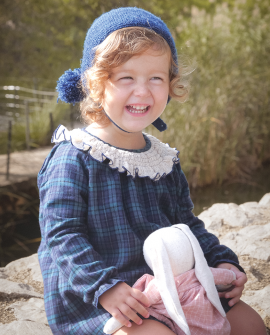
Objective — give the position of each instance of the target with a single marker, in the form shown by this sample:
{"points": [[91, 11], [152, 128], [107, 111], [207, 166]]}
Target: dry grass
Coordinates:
{"points": [[223, 131]]}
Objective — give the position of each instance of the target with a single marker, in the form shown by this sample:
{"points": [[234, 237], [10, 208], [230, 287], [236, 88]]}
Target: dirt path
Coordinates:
{"points": [[23, 165]]}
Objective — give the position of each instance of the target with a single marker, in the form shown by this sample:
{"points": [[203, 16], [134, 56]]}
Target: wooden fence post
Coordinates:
{"points": [[51, 123], [8, 147], [27, 131]]}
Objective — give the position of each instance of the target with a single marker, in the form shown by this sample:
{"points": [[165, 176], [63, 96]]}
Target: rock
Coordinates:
{"points": [[250, 213], [11, 289], [251, 240], [265, 200], [31, 310], [2, 274], [24, 328], [256, 212], [224, 214], [25, 270], [21, 298], [246, 230], [30, 263]]}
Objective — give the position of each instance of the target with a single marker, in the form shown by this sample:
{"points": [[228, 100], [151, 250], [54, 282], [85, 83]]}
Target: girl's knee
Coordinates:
{"points": [[245, 320]]}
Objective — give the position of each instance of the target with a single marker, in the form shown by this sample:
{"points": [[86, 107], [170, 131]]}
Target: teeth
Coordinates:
{"points": [[138, 109]]}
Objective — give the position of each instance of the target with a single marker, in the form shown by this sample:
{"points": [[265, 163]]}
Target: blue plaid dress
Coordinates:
{"points": [[94, 220]]}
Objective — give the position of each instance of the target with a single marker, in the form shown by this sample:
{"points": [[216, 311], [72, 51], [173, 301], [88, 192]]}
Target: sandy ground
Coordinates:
{"points": [[23, 165]]}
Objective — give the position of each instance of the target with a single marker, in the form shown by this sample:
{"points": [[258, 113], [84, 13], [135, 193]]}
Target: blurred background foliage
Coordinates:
{"points": [[41, 39], [222, 130]]}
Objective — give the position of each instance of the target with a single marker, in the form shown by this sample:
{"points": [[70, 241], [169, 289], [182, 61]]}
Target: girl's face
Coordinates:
{"points": [[137, 92]]}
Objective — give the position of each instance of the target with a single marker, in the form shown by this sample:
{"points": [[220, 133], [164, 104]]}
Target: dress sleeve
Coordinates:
{"points": [[214, 252], [63, 186]]}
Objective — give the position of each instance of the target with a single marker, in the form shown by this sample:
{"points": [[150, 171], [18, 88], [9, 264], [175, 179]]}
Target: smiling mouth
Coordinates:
{"points": [[137, 109]]}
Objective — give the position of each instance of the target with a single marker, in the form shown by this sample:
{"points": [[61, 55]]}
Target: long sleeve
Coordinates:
{"points": [[63, 183], [214, 252]]}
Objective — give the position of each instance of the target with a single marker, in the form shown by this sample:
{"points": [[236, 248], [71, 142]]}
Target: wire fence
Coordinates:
{"points": [[17, 102]]}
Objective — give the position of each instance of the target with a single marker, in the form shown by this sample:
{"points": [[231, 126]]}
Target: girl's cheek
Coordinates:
{"points": [[162, 90]]}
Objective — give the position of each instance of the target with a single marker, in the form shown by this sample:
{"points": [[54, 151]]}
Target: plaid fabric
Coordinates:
{"points": [[202, 317], [94, 221]]}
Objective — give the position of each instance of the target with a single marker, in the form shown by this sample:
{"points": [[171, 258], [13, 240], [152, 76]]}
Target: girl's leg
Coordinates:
{"points": [[245, 320], [149, 327]]}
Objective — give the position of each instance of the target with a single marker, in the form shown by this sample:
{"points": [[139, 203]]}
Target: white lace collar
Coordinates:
{"points": [[155, 163]]}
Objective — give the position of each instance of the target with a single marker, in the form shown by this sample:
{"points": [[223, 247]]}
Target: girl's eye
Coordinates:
{"points": [[126, 78], [156, 78]]}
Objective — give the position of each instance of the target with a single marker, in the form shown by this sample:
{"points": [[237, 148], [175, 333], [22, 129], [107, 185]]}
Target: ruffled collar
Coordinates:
{"points": [[156, 162]]}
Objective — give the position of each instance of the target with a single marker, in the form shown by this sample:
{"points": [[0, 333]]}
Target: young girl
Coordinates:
{"points": [[105, 188]]}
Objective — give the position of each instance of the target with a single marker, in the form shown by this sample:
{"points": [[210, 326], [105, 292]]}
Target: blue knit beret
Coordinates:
{"points": [[67, 85]]}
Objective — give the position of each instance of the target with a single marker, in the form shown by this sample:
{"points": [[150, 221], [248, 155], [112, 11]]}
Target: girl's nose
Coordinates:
{"points": [[142, 90]]}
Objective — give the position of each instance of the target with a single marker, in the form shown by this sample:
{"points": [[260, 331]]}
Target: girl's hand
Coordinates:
{"points": [[122, 300], [239, 283]]}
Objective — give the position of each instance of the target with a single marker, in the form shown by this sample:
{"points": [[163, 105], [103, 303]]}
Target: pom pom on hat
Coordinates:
{"points": [[67, 86]]}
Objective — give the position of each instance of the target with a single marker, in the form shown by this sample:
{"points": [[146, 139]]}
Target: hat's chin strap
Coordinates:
{"points": [[129, 132], [158, 123]]}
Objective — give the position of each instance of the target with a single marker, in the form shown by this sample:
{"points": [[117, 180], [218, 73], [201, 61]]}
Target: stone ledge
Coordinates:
{"points": [[25, 328]]}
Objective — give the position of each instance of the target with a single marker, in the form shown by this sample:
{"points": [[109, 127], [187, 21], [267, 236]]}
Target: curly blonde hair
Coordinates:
{"points": [[114, 51]]}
